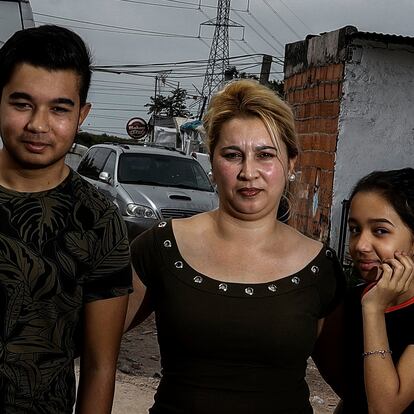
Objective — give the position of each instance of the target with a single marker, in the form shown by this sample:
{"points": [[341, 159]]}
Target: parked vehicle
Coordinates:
{"points": [[75, 154], [204, 160], [148, 183]]}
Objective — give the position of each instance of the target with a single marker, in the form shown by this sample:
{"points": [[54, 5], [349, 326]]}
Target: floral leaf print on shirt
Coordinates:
{"points": [[37, 218]]}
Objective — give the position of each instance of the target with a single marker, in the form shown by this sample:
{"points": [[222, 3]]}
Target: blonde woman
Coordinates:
{"points": [[239, 296]]}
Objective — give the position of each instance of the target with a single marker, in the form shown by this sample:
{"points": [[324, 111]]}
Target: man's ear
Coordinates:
{"points": [[83, 113]]}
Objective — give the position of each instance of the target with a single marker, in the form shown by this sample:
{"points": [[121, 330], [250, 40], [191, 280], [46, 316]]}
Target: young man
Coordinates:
{"points": [[64, 254]]}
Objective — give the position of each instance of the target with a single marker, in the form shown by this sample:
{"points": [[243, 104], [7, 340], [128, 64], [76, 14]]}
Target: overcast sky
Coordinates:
{"points": [[148, 32]]}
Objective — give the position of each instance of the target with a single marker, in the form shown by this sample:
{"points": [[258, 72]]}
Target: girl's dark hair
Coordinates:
{"points": [[396, 186], [49, 47]]}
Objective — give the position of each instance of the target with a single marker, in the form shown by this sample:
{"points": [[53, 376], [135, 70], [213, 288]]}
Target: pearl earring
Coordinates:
{"points": [[292, 177]]}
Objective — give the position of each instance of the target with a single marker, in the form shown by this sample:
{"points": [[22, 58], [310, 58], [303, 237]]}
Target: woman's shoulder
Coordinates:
{"points": [[303, 246], [191, 227]]}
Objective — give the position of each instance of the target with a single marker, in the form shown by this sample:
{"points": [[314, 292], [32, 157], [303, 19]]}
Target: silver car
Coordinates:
{"points": [[148, 183]]}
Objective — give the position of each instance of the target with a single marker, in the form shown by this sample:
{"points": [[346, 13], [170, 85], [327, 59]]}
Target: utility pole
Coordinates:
{"points": [[265, 71], [155, 110], [219, 52]]}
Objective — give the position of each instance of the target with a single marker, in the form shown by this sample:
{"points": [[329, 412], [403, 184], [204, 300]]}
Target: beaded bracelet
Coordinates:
{"points": [[381, 352]]}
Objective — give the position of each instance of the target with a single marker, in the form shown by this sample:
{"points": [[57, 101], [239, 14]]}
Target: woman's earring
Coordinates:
{"points": [[292, 177]]}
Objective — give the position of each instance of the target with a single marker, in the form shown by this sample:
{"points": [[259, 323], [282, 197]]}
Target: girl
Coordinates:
{"points": [[380, 312]]}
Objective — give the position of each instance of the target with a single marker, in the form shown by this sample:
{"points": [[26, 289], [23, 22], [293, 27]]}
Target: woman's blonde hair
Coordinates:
{"points": [[248, 98]]}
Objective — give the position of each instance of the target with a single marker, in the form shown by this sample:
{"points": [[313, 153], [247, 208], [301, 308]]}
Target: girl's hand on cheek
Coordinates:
{"points": [[395, 279]]}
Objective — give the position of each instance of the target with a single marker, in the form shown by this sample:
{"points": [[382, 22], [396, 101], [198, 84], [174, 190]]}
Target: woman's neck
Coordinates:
{"points": [[229, 227]]}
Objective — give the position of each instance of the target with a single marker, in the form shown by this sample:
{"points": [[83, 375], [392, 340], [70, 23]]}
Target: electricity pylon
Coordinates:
{"points": [[218, 60]]}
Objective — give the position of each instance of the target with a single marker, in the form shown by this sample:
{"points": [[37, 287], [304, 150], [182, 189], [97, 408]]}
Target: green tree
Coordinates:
{"points": [[274, 84], [88, 139], [171, 105], [278, 86], [233, 73]]}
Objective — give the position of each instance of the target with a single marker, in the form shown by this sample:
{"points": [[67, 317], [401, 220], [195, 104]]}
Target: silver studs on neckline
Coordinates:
{"points": [[272, 287], [295, 280], [315, 270], [249, 291], [329, 253], [223, 287], [162, 224], [167, 243], [198, 279], [179, 264]]}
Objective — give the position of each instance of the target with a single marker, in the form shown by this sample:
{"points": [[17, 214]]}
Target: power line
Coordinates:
{"points": [[106, 117], [175, 63], [125, 29], [118, 104], [117, 94], [120, 109], [238, 45], [159, 5], [266, 30], [254, 30], [177, 7], [180, 71], [307, 27], [281, 18]]}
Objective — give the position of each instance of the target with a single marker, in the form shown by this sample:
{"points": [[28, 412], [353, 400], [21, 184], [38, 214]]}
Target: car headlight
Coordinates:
{"points": [[137, 210]]}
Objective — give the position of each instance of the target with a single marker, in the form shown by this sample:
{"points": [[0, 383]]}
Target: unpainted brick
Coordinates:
{"points": [[319, 159]]}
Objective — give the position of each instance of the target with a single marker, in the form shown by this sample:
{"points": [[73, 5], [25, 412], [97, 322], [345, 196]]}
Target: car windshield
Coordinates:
{"points": [[162, 170]]}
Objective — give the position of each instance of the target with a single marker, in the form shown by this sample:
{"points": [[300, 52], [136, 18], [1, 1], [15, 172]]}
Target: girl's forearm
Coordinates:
{"points": [[381, 377]]}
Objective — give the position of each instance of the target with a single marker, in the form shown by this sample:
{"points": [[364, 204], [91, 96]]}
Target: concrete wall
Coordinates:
{"points": [[376, 123]]}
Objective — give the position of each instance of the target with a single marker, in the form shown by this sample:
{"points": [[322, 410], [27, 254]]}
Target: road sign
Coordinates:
{"points": [[137, 128]]}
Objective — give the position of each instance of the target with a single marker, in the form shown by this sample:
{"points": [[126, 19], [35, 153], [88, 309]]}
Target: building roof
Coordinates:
{"points": [[383, 37], [334, 47]]}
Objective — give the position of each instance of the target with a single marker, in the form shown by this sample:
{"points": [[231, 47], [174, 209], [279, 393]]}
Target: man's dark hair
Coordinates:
{"points": [[49, 47], [397, 188]]}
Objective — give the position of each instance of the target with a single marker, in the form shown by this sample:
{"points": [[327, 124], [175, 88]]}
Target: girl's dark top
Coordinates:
{"points": [[399, 322], [233, 347]]}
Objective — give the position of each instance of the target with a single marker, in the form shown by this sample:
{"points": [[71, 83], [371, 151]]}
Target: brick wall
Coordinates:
{"points": [[315, 96]]}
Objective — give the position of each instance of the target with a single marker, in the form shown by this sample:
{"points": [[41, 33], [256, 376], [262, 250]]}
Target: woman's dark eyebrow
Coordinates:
{"points": [[231, 147], [265, 147], [258, 148]]}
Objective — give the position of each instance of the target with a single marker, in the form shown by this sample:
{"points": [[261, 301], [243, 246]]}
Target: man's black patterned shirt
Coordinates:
{"points": [[59, 249]]}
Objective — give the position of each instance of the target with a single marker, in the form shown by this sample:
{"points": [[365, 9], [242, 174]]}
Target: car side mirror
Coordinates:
{"points": [[105, 177], [210, 177]]}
